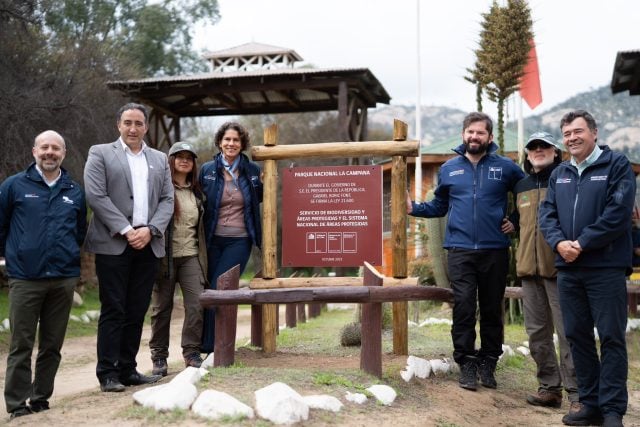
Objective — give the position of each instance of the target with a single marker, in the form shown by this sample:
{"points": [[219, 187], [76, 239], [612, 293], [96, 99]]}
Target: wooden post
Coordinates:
{"points": [[226, 319], [302, 316], [399, 239], [371, 344], [270, 238], [314, 310], [291, 315], [256, 325]]}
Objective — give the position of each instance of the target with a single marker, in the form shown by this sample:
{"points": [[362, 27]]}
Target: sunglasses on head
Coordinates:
{"points": [[538, 144]]}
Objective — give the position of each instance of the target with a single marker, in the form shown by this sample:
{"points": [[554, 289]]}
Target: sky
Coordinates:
{"points": [[576, 41]]}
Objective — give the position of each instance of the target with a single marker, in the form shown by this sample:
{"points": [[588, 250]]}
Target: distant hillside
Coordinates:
{"points": [[618, 118]]}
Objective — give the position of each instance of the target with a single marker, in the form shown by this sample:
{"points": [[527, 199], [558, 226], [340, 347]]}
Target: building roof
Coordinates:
{"points": [[626, 72], [284, 90], [251, 49]]}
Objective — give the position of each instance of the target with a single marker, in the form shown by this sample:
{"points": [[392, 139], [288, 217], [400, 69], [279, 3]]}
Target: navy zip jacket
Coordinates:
{"points": [[475, 200], [41, 228], [594, 209], [212, 183]]}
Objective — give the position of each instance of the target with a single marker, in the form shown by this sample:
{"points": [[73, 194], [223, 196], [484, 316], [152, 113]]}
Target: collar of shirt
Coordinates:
{"points": [[591, 158], [127, 150], [44, 178]]}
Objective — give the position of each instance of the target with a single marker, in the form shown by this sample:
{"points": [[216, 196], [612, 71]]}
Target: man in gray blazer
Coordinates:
{"points": [[128, 187]]}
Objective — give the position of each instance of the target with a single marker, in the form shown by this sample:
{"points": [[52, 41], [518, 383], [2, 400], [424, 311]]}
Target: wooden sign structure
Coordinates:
{"points": [[398, 149]]}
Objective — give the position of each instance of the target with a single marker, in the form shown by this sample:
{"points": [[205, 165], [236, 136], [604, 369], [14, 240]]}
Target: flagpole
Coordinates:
{"points": [[520, 156], [418, 163]]}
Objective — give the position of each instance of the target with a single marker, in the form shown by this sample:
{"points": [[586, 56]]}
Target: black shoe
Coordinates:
{"points": [[20, 412], [160, 367], [469, 374], [586, 416], [486, 369], [39, 406], [612, 420], [193, 359], [111, 385], [136, 378]]}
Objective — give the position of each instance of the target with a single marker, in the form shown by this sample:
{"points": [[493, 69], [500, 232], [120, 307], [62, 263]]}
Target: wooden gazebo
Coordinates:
{"points": [[626, 72], [256, 79]]}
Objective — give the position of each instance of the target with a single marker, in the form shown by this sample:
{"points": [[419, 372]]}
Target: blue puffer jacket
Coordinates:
{"points": [[594, 209], [212, 183], [41, 228], [475, 200]]}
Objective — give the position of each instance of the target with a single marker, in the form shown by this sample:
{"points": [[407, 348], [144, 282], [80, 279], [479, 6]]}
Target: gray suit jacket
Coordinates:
{"points": [[107, 181]]}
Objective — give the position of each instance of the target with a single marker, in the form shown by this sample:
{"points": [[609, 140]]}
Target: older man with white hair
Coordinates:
{"points": [[42, 226]]}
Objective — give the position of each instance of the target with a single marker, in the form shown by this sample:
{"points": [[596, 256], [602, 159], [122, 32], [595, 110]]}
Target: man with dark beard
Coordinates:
{"points": [[472, 190]]}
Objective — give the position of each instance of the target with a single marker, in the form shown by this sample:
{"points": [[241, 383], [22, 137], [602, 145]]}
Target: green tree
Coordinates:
{"points": [[502, 55]]}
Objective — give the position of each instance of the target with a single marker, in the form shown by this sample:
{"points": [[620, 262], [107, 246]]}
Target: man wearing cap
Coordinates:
{"points": [[473, 190], [129, 190], [586, 218], [535, 268], [184, 263], [43, 219]]}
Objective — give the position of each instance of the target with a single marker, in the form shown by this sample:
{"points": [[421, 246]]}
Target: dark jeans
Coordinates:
{"points": [[478, 278], [125, 284], [48, 303], [222, 254], [597, 297]]}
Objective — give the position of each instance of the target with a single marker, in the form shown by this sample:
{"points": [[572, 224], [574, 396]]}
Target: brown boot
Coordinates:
{"points": [[551, 399]]}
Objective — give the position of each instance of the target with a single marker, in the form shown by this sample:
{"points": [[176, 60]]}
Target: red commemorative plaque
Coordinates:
{"points": [[332, 216]]}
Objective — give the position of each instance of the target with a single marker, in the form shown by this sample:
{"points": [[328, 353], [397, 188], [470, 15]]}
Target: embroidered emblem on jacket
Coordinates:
{"points": [[458, 172], [495, 172]]}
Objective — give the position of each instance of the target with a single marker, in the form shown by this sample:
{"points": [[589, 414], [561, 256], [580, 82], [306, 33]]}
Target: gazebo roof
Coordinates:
{"points": [[284, 90], [626, 72], [250, 49]]}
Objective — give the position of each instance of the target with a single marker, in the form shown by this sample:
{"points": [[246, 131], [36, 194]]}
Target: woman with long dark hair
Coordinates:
{"points": [[184, 263]]}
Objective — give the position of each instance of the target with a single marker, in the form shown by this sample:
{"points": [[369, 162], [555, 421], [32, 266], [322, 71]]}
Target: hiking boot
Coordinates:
{"points": [[550, 399], [159, 367], [469, 375], [193, 359], [575, 407], [486, 369], [612, 420], [586, 416], [39, 406], [20, 412]]}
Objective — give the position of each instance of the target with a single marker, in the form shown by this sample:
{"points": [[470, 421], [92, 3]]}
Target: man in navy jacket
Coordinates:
{"points": [[586, 219], [472, 190], [42, 226]]}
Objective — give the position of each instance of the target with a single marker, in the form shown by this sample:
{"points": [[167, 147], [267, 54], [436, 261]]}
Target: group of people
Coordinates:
{"points": [[158, 222], [155, 222], [575, 251]]}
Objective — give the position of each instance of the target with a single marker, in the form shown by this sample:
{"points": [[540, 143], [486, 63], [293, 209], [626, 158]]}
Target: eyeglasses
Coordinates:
{"points": [[538, 144]]}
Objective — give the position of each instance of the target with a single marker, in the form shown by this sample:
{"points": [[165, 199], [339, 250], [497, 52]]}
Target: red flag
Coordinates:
{"points": [[530, 83]]}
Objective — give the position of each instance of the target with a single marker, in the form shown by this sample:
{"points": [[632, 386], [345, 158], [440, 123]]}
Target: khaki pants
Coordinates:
{"points": [[187, 272], [47, 302], [541, 315]]}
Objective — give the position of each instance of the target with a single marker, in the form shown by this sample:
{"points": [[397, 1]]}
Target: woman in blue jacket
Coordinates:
{"points": [[233, 190]]}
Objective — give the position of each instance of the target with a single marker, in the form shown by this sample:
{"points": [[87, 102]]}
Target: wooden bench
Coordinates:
{"points": [[371, 295]]}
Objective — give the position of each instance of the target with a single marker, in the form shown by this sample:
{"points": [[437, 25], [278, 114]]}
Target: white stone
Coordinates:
{"points": [[167, 397], [208, 361], [6, 324], [358, 398], [281, 404], [523, 350], [421, 367], [507, 350], [385, 394], [525, 343], [412, 323], [189, 375], [77, 299], [323, 401], [93, 314], [215, 404], [435, 321], [440, 366], [407, 374], [84, 318], [74, 318]]}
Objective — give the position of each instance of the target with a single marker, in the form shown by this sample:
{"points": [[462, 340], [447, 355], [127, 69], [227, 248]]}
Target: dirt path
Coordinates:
{"points": [[77, 371]]}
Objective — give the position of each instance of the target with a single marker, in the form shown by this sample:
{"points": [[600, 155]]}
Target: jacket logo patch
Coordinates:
{"points": [[598, 178], [31, 196], [458, 172], [525, 204], [495, 172], [67, 200], [210, 177], [563, 181]]}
